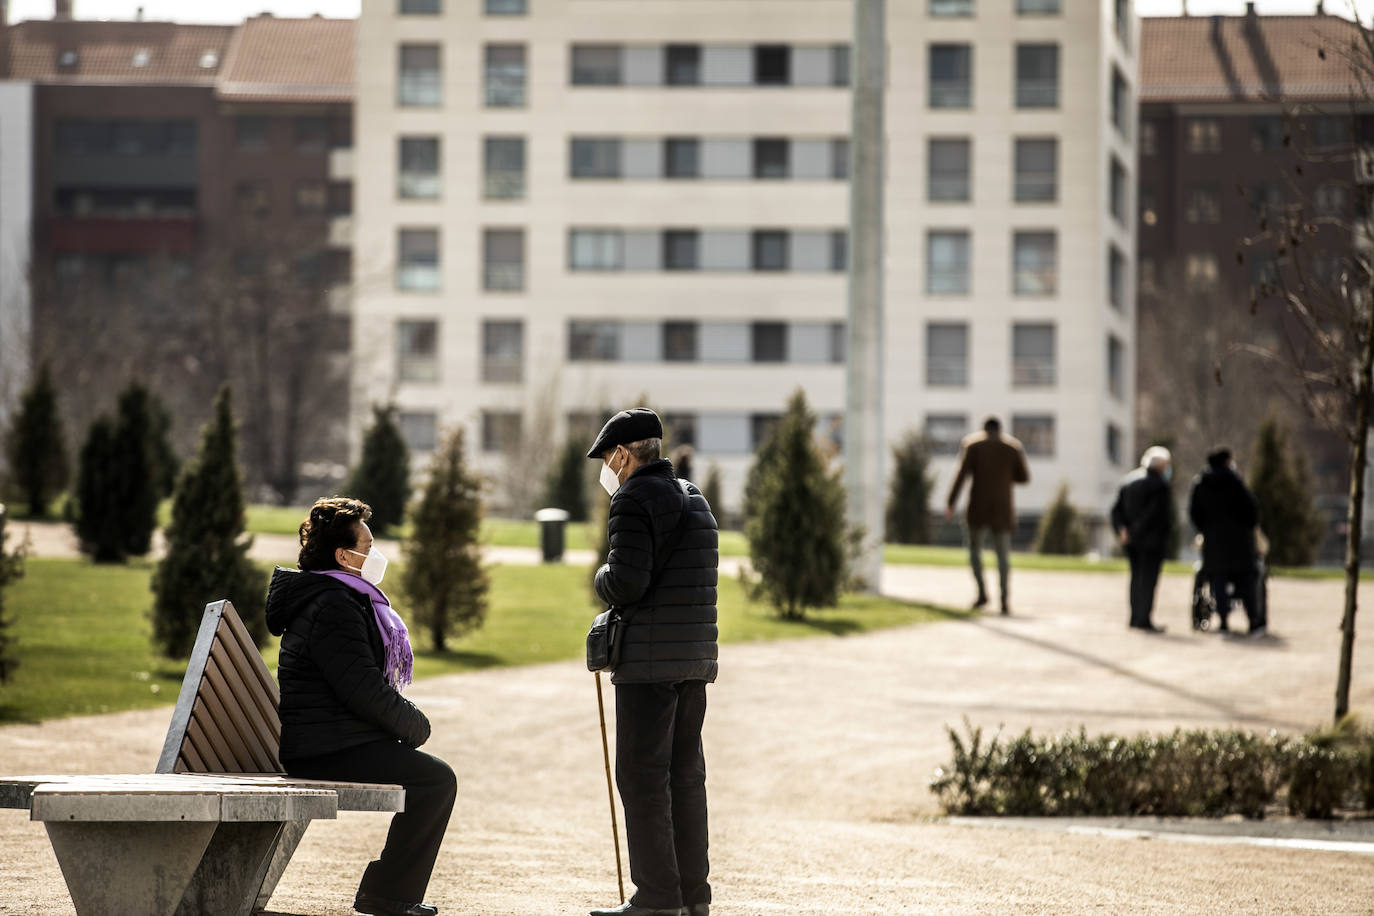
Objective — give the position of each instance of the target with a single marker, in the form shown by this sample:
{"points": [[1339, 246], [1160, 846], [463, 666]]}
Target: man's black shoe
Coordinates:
{"points": [[981, 602], [380, 906], [629, 909]]}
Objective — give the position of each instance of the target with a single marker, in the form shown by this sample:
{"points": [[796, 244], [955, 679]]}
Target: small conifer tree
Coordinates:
{"points": [[568, 482], [599, 536], [444, 577], [1278, 478], [1061, 530], [382, 477], [796, 526], [207, 552], [11, 568], [35, 445], [713, 489], [139, 467], [908, 505], [160, 451], [99, 486]]}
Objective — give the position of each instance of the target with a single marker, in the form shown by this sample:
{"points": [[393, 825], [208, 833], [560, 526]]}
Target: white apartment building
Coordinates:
{"points": [[16, 218], [564, 205]]}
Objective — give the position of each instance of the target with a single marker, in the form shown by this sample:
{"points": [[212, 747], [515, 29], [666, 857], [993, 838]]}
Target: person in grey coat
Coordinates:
{"points": [[668, 656]]}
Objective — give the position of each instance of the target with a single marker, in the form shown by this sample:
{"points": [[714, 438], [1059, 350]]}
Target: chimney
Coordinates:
{"points": [[62, 11], [1321, 7], [138, 16], [1250, 9]]}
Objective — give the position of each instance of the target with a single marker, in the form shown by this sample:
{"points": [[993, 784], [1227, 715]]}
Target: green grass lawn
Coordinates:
{"points": [[84, 634]]}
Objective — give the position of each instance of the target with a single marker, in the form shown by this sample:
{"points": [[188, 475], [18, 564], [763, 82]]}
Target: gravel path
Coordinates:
{"points": [[819, 753]]}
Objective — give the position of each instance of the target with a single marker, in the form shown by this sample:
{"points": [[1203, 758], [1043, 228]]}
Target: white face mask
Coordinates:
{"points": [[374, 565], [610, 480]]}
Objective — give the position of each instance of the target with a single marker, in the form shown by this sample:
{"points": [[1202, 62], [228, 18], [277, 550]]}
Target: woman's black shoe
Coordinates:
{"points": [[380, 906]]}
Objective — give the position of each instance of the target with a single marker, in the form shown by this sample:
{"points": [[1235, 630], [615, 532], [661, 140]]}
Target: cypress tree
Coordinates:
{"points": [[444, 577], [796, 527], [160, 452], [37, 455], [1278, 478], [99, 492], [207, 552], [382, 477], [712, 489], [139, 467], [11, 568], [908, 505], [1061, 530], [568, 482]]}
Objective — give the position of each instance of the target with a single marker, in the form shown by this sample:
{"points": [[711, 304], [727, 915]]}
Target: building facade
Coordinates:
{"points": [[566, 206], [16, 212]]}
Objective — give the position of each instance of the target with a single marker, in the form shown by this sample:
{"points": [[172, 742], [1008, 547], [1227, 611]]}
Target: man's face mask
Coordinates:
{"points": [[610, 480], [374, 565]]}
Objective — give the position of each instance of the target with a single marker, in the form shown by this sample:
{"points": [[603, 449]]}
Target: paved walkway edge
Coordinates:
{"points": [[1337, 836]]}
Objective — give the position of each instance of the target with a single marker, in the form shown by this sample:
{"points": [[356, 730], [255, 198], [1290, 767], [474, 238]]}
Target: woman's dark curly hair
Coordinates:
{"points": [[333, 523]]}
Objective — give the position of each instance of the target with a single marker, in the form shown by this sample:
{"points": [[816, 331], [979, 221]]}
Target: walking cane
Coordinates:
{"points": [[610, 793]]}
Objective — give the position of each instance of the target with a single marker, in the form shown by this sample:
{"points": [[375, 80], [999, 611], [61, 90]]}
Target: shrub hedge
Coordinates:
{"points": [[1183, 774]]}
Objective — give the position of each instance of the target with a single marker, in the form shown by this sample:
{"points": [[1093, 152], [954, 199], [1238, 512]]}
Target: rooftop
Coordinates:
{"points": [[289, 60]]}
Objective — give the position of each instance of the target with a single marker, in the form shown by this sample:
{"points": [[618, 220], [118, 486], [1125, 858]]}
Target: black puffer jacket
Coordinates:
{"points": [[1223, 510], [671, 631], [333, 693]]}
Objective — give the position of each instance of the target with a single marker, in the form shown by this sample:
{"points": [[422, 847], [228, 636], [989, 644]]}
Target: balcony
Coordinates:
{"points": [[341, 164], [174, 234]]}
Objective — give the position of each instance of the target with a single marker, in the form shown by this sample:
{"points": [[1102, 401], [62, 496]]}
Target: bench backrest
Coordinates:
{"points": [[226, 718]]}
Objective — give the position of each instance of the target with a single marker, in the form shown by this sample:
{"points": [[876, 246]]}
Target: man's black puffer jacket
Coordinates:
{"points": [[333, 693], [671, 631]]}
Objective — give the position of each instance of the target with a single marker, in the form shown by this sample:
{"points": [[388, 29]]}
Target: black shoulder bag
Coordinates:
{"points": [[603, 639]]}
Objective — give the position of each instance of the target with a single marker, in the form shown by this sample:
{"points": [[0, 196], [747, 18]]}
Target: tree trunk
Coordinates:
{"points": [[1355, 511]]}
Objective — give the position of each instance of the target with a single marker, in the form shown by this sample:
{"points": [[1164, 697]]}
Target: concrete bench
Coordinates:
{"points": [[214, 828]]}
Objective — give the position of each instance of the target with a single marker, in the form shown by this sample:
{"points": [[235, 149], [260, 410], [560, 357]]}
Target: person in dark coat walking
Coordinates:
{"points": [[1225, 513], [668, 657], [1142, 522], [995, 463], [345, 655]]}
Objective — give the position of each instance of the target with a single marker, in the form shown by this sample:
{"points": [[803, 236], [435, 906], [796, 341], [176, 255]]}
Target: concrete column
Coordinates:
{"points": [[121, 868]]}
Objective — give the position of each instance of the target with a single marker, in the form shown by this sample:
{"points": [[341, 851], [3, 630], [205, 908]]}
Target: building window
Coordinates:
{"points": [[947, 263], [594, 157], [1204, 135], [1116, 367], [1032, 355], [1149, 138], [1122, 17], [1037, 7], [250, 132], [944, 432], [503, 351], [1116, 278], [254, 199], [769, 249], [421, 84], [1034, 264], [503, 260], [503, 168], [593, 341], [501, 431], [1114, 444], [1267, 199], [421, 7], [1330, 130], [1121, 103], [312, 134], [418, 265], [682, 65], [419, 173], [596, 249], [1201, 273], [1332, 199], [947, 178], [1266, 133], [419, 429], [504, 7], [951, 7], [597, 65], [680, 341], [505, 76], [772, 65], [1147, 278], [1036, 432], [680, 249], [681, 157], [839, 158], [1037, 76], [417, 351], [840, 65], [312, 198], [770, 158], [341, 198], [951, 76], [839, 250], [1202, 203], [769, 341], [761, 428], [680, 429], [1037, 170], [1118, 191], [947, 356]]}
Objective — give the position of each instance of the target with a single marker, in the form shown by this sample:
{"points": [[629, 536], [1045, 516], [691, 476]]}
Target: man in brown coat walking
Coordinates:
{"points": [[995, 463]]}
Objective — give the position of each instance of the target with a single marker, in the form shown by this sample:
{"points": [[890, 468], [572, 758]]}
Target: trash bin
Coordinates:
{"points": [[551, 526]]}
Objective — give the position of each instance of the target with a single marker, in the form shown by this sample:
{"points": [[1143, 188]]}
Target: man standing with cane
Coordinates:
{"points": [[661, 575]]}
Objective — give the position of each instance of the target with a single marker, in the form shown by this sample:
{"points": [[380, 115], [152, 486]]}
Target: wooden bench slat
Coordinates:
{"points": [[246, 644], [237, 728], [258, 703], [203, 743], [218, 721]]}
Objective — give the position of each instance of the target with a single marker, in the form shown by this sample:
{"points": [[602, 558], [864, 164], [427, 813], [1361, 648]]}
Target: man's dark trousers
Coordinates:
{"points": [[1245, 593], [661, 772], [1145, 565]]}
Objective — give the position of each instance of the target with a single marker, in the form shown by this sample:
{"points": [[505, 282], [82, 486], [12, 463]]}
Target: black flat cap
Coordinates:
{"points": [[625, 427]]}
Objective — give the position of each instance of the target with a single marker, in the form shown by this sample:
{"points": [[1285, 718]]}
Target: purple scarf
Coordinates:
{"points": [[400, 659]]}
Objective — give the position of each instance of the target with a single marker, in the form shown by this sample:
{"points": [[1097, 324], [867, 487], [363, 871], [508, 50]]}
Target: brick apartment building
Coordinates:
{"points": [[192, 219]]}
